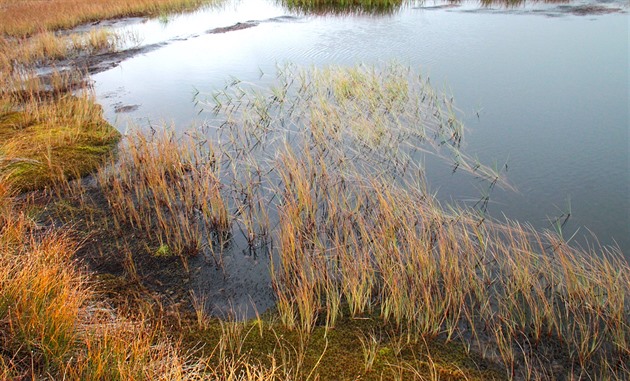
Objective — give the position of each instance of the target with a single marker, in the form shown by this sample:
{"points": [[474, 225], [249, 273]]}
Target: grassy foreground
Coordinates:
{"points": [[56, 325]]}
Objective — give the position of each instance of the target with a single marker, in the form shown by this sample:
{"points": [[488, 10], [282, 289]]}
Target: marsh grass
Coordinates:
{"points": [[499, 287], [330, 158], [169, 191], [55, 326], [357, 227], [323, 172], [23, 18], [48, 136]]}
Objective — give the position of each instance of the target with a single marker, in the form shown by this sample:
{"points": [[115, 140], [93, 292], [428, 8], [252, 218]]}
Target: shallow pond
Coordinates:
{"points": [[542, 87]]}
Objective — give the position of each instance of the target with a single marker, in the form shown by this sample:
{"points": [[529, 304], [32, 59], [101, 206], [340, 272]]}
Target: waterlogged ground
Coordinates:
{"points": [[541, 88]]}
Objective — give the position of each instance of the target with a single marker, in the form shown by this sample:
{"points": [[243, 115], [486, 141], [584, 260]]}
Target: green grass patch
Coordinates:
{"points": [[55, 141], [357, 348]]}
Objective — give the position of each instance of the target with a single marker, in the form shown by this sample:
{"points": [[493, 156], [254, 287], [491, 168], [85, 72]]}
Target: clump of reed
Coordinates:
{"points": [[168, 189], [492, 286], [45, 327]]}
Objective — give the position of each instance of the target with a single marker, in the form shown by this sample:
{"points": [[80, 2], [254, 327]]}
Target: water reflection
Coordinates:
{"points": [[387, 7], [343, 7], [515, 3]]}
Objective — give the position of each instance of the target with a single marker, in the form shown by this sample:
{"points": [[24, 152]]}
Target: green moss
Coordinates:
{"points": [[163, 251], [337, 354]]}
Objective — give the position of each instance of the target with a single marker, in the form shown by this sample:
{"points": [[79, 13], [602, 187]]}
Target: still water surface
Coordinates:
{"points": [[538, 87]]}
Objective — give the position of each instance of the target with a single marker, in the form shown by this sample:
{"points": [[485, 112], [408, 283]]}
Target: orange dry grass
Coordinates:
{"points": [[40, 294], [23, 18], [52, 328]]}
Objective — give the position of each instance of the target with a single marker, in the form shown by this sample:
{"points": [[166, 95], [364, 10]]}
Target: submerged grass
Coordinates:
{"points": [[357, 227]]}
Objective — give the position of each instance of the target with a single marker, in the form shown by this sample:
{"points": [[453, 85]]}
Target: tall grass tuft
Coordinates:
{"points": [[168, 190]]}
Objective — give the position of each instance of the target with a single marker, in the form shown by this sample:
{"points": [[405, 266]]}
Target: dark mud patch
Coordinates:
{"points": [[232, 28], [75, 67], [120, 108], [438, 7], [105, 61], [611, 7], [250, 24], [128, 266], [240, 288]]}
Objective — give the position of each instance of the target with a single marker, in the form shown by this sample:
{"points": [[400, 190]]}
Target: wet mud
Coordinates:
{"points": [[232, 28], [598, 9], [97, 63], [127, 268], [121, 108]]}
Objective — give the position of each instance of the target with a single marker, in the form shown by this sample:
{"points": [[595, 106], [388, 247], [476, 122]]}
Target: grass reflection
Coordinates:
{"points": [[385, 7]]}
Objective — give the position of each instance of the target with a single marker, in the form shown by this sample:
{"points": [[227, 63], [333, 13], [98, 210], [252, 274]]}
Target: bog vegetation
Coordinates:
{"points": [[321, 175]]}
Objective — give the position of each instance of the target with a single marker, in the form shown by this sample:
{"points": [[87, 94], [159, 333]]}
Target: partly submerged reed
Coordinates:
{"points": [[357, 226], [168, 190], [329, 158]]}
